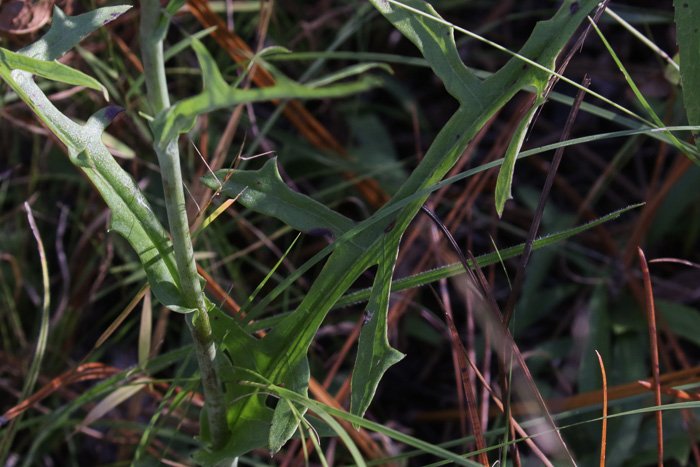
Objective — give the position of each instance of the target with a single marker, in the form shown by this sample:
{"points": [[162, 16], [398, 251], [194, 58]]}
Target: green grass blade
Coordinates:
{"points": [[642, 99], [42, 339], [456, 269], [319, 408]]}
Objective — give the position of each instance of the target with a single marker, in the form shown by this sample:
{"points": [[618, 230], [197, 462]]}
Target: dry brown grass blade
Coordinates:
{"points": [[676, 378], [301, 118], [472, 408], [502, 410], [604, 431], [654, 347], [491, 322], [680, 394], [120, 319], [85, 372]]}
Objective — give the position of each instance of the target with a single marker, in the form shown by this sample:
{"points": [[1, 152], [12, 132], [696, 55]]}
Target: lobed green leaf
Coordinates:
{"points": [[265, 192], [375, 241], [67, 31]]}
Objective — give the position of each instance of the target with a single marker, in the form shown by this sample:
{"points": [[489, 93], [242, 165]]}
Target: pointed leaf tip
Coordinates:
{"points": [[102, 118], [112, 111]]}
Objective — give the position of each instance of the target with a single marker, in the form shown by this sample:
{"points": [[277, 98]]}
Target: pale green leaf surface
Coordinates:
{"points": [[265, 192], [66, 31], [52, 70], [687, 17], [437, 45], [113, 400]]}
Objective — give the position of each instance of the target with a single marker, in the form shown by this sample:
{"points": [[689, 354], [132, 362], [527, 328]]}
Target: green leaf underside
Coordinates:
{"points": [[375, 241], [374, 354], [51, 70], [687, 18]]}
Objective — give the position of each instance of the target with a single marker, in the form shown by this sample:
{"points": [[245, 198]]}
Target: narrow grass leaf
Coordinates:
{"points": [[181, 395], [320, 409], [452, 270], [604, 430], [267, 277], [654, 351], [60, 417], [118, 396], [42, 339], [345, 73], [642, 99], [46, 302], [144, 349]]}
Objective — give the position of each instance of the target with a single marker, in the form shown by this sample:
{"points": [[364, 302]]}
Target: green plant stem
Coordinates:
{"points": [[152, 34]]}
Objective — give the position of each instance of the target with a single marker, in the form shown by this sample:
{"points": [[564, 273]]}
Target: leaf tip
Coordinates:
{"points": [[103, 117]]}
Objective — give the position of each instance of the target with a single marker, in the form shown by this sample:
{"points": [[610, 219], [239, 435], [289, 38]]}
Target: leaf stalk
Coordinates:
{"points": [[153, 30]]}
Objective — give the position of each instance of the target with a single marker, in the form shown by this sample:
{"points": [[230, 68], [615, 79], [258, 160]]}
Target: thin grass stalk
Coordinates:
{"points": [[604, 431], [42, 339], [654, 347], [169, 160]]}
